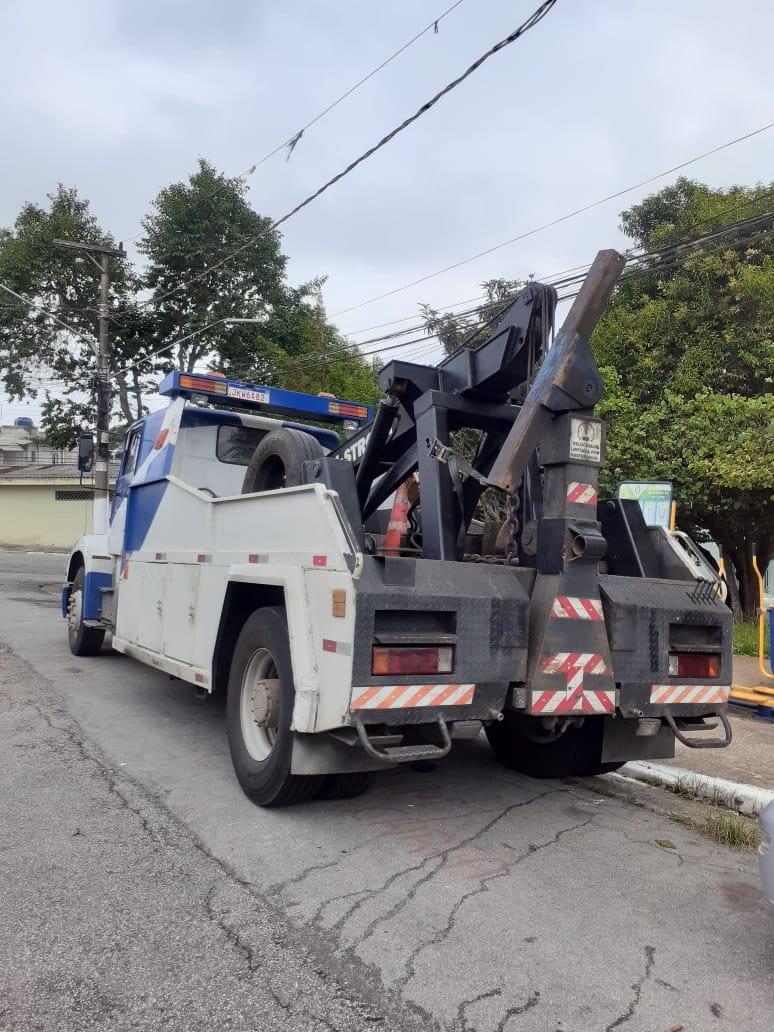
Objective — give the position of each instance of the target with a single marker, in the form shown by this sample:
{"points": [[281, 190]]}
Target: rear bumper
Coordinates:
{"points": [[676, 697], [398, 705], [480, 611]]}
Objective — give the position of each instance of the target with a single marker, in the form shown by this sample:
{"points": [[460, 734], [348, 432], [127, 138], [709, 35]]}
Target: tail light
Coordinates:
{"points": [[413, 659], [693, 664]]}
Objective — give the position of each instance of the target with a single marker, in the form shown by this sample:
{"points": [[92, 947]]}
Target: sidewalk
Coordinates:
{"points": [[750, 757]]}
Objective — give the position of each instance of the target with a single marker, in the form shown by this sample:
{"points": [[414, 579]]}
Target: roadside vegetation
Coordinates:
{"points": [[725, 827], [746, 639]]}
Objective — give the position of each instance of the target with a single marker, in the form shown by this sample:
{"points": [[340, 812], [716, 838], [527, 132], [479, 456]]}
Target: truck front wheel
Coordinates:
{"points": [[577, 752], [83, 640], [259, 711]]}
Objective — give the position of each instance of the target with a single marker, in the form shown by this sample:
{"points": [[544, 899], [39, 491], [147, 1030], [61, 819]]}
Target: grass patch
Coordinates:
{"points": [[746, 638], [729, 829], [688, 788]]}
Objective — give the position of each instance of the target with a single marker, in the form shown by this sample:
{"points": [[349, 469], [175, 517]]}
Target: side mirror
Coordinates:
{"points": [[85, 453]]}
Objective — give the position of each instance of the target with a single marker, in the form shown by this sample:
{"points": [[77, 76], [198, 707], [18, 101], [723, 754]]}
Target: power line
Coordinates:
{"points": [[563, 278], [554, 222], [34, 305], [408, 318], [536, 17], [293, 140], [666, 260]]}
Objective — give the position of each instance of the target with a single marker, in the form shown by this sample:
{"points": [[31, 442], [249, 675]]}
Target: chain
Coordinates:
{"points": [[508, 534], [514, 504]]}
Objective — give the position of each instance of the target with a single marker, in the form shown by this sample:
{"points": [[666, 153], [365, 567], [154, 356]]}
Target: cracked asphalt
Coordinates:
{"points": [[140, 889]]}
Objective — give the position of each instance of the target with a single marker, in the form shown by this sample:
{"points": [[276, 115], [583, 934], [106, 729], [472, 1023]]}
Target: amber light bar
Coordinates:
{"points": [[341, 408], [203, 383]]}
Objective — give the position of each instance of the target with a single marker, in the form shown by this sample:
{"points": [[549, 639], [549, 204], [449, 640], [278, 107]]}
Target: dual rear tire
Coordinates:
{"points": [[576, 753]]}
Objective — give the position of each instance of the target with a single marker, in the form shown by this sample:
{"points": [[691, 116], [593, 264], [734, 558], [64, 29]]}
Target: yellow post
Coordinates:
{"points": [[761, 617], [672, 517], [721, 568]]}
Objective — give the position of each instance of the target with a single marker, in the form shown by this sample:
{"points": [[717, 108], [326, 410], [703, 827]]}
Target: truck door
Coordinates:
{"points": [[124, 479]]}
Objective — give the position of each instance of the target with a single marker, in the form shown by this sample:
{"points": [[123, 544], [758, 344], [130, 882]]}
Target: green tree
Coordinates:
{"points": [[687, 350], [40, 355], [191, 228], [299, 349]]}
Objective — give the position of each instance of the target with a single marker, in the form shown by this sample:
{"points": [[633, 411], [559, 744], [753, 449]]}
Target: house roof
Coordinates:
{"points": [[59, 471]]}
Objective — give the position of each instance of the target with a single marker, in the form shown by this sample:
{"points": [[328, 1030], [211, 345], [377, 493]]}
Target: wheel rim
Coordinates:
{"points": [[259, 705], [74, 611]]}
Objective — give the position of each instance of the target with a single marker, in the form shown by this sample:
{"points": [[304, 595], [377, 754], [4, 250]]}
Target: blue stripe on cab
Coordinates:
{"points": [[142, 506]]}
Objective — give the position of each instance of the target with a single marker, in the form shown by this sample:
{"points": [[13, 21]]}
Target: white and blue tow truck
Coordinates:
{"points": [[356, 613]]}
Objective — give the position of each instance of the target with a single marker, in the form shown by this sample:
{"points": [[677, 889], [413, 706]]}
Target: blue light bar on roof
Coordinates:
{"points": [[272, 399]]}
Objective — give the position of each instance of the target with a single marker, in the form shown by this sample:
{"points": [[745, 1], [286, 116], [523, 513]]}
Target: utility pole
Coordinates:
{"points": [[101, 478]]}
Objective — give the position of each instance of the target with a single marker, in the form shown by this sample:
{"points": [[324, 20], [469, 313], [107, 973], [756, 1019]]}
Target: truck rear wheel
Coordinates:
{"points": [[278, 460], [576, 753], [346, 786], [259, 710], [83, 640]]}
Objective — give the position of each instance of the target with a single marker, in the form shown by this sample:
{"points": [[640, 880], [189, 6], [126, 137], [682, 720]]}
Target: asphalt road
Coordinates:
{"points": [[140, 889]]}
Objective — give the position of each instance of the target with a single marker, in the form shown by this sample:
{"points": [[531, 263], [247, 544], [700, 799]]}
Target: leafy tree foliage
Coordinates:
{"points": [[299, 349], [471, 330], [191, 227], [185, 288], [39, 354], [687, 349]]}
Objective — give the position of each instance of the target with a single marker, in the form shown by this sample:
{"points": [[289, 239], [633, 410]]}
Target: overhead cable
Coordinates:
{"points": [[666, 258], [34, 305], [291, 141], [536, 17], [554, 222]]}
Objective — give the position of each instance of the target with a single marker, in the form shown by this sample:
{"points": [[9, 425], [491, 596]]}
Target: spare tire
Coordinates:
{"points": [[279, 459]]}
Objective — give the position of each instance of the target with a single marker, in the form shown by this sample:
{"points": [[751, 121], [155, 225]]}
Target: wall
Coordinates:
{"points": [[31, 515]]}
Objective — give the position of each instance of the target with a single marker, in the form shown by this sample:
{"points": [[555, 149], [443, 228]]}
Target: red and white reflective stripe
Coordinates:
{"points": [[577, 701], [574, 665], [674, 693], [568, 608], [407, 696], [581, 494]]}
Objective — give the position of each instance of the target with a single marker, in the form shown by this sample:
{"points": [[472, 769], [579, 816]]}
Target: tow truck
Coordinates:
{"points": [[353, 608]]}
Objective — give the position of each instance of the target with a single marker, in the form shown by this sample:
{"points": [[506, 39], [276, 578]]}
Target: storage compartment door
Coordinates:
{"points": [[181, 602]]}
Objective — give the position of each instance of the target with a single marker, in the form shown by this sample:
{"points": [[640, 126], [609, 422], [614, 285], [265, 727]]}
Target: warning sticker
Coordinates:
{"points": [[585, 440]]}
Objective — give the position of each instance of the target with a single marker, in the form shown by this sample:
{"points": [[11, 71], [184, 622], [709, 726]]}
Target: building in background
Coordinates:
{"points": [[45, 506], [22, 444]]}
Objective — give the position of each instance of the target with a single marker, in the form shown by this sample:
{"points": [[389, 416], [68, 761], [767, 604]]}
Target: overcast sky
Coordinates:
{"points": [[120, 97]]}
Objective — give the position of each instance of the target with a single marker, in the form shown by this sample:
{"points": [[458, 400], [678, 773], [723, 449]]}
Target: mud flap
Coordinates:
{"points": [[620, 742], [325, 753]]}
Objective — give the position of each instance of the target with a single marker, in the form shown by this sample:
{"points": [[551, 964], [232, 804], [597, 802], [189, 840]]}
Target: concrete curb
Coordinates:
{"points": [[747, 799], [32, 550]]}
